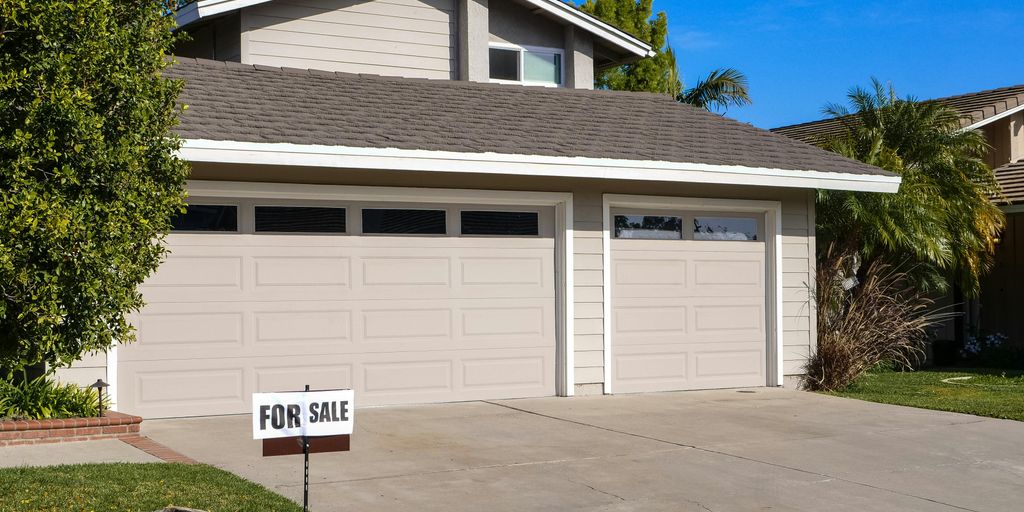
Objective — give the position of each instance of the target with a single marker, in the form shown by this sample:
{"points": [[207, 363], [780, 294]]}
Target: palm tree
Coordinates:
{"points": [[942, 217], [721, 89]]}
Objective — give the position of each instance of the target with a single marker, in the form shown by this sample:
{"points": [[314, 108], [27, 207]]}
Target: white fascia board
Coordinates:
{"points": [[196, 11], [301, 155], [1001, 115], [574, 16]]}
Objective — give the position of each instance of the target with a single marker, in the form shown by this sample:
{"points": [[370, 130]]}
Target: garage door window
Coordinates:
{"points": [[649, 227], [725, 228], [500, 223], [300, 219], [404, 221], [207, 217]]}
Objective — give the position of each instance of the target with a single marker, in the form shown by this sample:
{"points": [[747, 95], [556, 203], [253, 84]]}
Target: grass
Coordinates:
{"points": [[992, 393], [132, 488]]}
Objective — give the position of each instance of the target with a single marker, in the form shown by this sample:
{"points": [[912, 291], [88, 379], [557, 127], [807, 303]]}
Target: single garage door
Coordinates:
{"points": [[688, 301], [403, 303]]}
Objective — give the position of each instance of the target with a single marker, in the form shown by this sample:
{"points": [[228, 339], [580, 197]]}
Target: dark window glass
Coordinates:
{"points": [[207, 217], [396, 221], [648, 227], [500, 223], [300, 219], [504, 64], [724, 228]]}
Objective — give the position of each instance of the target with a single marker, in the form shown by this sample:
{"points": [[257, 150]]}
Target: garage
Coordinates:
{"points": [[688, 298], [403, 302]]}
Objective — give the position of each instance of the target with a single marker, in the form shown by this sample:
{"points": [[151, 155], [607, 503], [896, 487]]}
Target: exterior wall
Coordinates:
{"points": [[86, 371], [474, 61], [1001, 291], [998, 136], [220, 39], [410, 38], [579, 59], [510, 22], [799, 316]]}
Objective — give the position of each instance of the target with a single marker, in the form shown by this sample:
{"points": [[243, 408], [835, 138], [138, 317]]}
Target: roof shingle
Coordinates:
{"points": [[230, 101], [973, 108], [1011, 180]]}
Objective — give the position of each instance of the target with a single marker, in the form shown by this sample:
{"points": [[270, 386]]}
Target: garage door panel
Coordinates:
{"points": [[400, 319], [687, 314]]}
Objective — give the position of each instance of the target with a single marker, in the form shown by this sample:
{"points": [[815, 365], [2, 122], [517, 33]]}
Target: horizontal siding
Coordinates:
{"points": [[797, 283], [588, 246], [85, 371], [410, 38]]}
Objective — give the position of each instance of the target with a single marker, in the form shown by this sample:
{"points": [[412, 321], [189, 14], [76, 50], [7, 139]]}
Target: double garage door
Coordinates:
{"points": [[403, 303]]}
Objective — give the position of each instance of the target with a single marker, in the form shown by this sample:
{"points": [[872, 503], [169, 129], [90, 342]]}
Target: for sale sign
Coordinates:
{"points": [[302, 413]]}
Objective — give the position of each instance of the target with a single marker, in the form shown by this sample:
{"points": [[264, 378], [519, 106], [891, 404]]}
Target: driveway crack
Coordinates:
{"points": [[592, 488]]}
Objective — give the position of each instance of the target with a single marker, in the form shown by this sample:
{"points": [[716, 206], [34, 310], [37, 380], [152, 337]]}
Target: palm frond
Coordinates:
{"points": [[721, 89]]}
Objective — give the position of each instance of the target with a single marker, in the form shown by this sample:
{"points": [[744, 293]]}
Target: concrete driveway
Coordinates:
{"points": [[764, 449]]}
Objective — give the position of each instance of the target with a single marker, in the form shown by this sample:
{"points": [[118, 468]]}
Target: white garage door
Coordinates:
{"points": [[403, 303], [688, 301]]}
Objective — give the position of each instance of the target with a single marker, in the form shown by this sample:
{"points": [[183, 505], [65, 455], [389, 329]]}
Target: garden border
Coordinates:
{"points": [[112, 425]]}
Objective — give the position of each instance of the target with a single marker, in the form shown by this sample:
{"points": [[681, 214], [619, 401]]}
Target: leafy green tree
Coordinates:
{"points": [[942, 217], [88, 171], [721, 89], [652, 74]]}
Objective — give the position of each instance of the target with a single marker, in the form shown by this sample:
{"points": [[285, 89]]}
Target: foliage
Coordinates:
{"points": [[882, 318], [991, 393], [992, 351], [942, 215], [139, 487], [722, 89], [88, 171], [652, 74], [42, 398]]}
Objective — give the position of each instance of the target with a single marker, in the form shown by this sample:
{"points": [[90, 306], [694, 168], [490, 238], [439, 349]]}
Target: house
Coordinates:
{"points": [[999, 115], [424, 200]]}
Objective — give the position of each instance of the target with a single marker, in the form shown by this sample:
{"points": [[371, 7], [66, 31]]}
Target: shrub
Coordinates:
{"points": [[992, 351], [866, 317], [43, 398]]}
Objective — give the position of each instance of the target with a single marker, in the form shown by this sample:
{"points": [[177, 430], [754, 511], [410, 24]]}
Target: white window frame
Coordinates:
{"points": [[522, 49]]}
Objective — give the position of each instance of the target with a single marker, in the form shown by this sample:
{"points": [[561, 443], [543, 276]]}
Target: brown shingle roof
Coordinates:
{"points": [[1011, 180], [973, 107], [230, 101]]}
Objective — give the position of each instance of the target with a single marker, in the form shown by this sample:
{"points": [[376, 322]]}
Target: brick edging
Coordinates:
{"points": [[156, 449], [111, 425]]}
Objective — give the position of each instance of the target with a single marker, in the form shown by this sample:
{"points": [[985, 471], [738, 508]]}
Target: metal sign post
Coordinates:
{"points": [[303, 422]]}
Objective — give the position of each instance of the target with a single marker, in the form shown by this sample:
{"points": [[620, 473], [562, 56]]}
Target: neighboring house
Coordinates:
{"points": [[999, 114], [453, 239]]}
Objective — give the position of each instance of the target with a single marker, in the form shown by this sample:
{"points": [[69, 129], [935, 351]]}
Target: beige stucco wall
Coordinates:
{"points": [[511, 22], [797, 251]]}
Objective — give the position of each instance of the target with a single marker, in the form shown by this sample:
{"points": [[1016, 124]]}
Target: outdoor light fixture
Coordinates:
{"points": [[99, 385]]}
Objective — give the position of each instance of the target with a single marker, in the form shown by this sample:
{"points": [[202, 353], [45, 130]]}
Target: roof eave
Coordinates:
{"points": [[308, 155]]}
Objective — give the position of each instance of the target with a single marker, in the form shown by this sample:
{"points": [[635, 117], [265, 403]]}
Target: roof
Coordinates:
{"points": [[201, 9], [977, 109], [258, 104], [1011, 180]]}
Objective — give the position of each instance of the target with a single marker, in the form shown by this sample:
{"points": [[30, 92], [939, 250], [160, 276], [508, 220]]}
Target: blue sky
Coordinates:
{"points": [[801, 54]]}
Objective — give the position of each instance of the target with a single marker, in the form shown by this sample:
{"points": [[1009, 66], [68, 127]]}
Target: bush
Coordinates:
{"points": [[42, 398], [992, 351], [865, 319]]}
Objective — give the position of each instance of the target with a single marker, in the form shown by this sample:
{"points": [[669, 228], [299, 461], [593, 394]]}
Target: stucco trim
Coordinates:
{"points": [[302, 155]]}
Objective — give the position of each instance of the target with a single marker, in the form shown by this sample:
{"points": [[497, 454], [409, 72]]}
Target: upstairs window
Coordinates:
{"points": [[526, 65]]}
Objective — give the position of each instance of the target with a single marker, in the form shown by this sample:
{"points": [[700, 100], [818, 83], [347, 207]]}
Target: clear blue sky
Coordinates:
{"points": [[801, 54]]}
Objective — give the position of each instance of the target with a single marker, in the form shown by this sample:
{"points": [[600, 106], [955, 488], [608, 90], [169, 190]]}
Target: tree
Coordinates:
{"points": [[651, 74], [942, 217], [659, 74], [88, 171], [722, 88]]}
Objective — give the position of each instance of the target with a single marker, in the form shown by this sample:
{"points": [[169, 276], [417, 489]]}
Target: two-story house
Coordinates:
{"points": [[999, 115], [425, 200]]}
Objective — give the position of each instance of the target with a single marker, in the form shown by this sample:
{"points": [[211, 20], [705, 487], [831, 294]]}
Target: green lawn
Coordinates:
{"points": [[133, 487], [994, 393]]}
